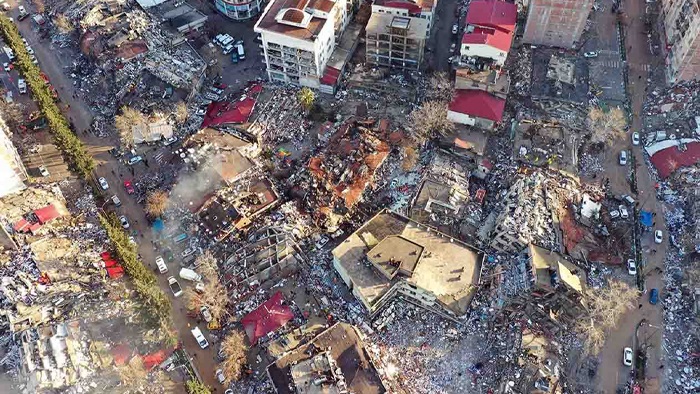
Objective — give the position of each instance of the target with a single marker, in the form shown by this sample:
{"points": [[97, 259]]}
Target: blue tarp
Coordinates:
{"points": [[646, 218], [158, 225]]}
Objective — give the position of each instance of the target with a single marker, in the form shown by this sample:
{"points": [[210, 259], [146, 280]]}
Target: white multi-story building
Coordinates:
{"points": [[12, 171], [239, 10], [298, 38], [422, 9]]}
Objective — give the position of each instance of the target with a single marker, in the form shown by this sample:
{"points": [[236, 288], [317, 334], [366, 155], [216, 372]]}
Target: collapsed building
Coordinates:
{"points": [[333, 362], [392, 256], [547, 144]]}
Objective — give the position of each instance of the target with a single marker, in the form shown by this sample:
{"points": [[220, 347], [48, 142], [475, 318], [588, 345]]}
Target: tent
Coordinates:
{"points": [[268, 317], [646, 218]]}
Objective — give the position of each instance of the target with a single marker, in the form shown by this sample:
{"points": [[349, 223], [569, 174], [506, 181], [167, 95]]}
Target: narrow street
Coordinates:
{"points": [[115, 172], [612, 373]]}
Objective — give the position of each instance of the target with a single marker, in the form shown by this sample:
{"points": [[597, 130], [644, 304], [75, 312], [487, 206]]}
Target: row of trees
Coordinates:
{"points": [[73, 149]]}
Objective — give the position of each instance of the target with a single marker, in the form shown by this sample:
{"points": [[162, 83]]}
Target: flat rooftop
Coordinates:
{"points": [[416, 28], [345, 346], [447, 267], [297, 18]]}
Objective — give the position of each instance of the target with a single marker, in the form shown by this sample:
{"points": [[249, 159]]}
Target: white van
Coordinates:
{"points": [[160, 263], [188, 274], [241, 52], [199, 337]]}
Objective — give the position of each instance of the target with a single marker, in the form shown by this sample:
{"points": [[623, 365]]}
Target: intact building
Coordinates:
{"points": [[392, 256], [418, 9], [682, 26], [239, 10], [489, 33], [12, 171], [395, 41], [298, 38], [557, 23]]}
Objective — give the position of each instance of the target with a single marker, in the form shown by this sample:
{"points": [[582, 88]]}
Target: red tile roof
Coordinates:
{"points": [[493, 13], [495, 38], [670, 159], [479, 104], [411, 7], [268, 317]]}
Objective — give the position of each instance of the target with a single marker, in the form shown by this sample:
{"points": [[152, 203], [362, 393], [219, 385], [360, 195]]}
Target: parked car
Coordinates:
{"points": [[103, 183], [198, 336], [176, 289], [188, 252], [658, 236], [199, 287], [135, 159], [631, 267], [43, 171], [160, 263], [129, 187], [117, 202], [22, 86], [455, 28], [627, 198], [654, 296], [220, 376], [206, 314], [627, 356], [6, 67], [124, 221], [623, 158], [191, 275], [635, 138], [614, 214], [169, 141], [132, 240], [452, 47], [623, 212], [590, 55]]}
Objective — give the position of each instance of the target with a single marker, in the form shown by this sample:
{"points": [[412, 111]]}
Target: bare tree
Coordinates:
{"points": [[440, 87], [206, 263], [125, 123], [235, 350], [605, 308], [63, 24], [180, 112], [213, 296], [410, 158], [133, 374], [430, 120], [606, 126], [156, 203]]}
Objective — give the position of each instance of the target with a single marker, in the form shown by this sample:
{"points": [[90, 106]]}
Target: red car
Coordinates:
{"points": [[45, 78], [129, 187]]}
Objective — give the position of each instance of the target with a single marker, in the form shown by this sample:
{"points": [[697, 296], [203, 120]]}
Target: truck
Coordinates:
{"points": [[191, 275], [174, 286], [241, 51]]}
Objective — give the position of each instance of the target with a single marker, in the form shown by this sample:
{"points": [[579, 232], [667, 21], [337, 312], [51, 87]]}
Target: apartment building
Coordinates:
{"points": [[557, 23], [239, 10], [682, 26], [395, 41], [417, 9], [12, 171], [298, 38], [489, 33]]}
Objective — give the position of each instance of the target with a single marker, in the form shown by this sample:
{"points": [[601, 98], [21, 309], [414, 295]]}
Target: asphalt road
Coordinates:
{"points": [[52, 64], [438, 50], [612, 373]]}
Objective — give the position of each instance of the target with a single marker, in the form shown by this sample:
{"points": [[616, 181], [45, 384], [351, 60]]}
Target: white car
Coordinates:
{"points": [[614, 214], [117, 202], [103, 183], [29, 50], [124, 221], [623, 158], [160, 263], [132, 240], [455, 28], [43, 171], [631, 267], [206, 314], [623, 212], [22, 86], [169, 141], [188, 252], [635, 138], [658, 236], [220, 376], [452, 47], [6, 66], [627, 356], [590, 55]]}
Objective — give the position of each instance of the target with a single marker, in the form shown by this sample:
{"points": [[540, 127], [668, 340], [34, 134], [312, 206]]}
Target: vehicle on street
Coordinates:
{"points": [[220, 376], [635, 138], [22, 13], [169, 141], [10, 54], [135, 159], [117, 202], [188, 252], [198, 336], [160, 263], [6, 67], [452, 47], [623, 158], [627, 356], [241, 52], [29, 50], [6, 6], [43, 171], [631, 267], [103, 183], [654, 296], [22, 86], [45, 78], [191, 275], [8, 97], [590, 55], [228, 49], [132, 240], [623, 212], [124, 221], [321, 242], [206, 314], [627, 198], [174, 286], [199, 287], [129, 187], [658, 236], [614, 214], [455, 28]]}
